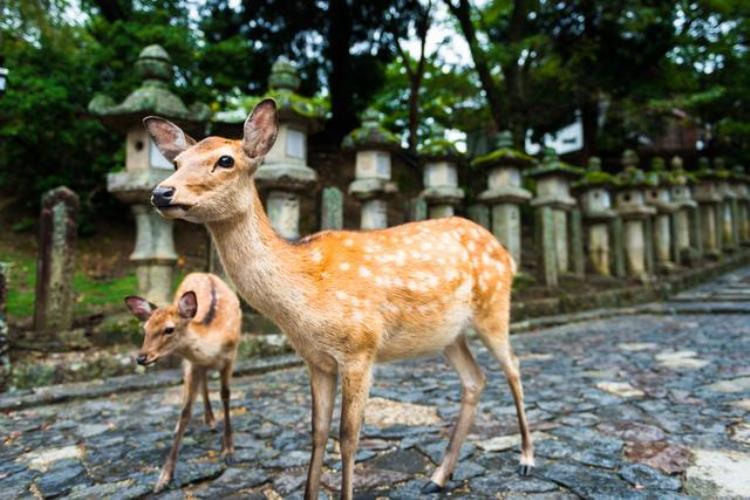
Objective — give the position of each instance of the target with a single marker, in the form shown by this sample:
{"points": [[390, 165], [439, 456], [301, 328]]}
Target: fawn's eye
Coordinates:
{"points": [[169, 330], [225, 161]]}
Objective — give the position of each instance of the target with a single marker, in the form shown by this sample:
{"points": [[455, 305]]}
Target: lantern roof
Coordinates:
{"points": [[438, 147], [504, 154], [371, 135], [152, 97], [552, 165], [594, 176]]}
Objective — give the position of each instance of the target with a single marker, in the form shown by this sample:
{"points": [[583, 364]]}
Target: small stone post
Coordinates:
{"points": [[593, 193], [479, 213], [417, 208], [372, 185], [332, 208], [285, 175], [53, 309], [742, 192], [154, 254], [728, 210], [553, 179], [659, 196], [709, 201], [440, 159], [5, 368], [685, 239], [631, 207], [504, 192]]}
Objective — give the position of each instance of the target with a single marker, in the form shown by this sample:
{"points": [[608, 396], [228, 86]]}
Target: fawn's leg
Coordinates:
{"points": [[192, 378], [494, 328], [323, 386], [227, 446], [208, 414], [355, 385], [472, 383]]}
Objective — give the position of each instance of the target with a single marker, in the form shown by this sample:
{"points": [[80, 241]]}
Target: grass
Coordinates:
{"points": [[91, 294]]}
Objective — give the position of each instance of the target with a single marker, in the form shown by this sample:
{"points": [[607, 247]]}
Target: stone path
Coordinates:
{"points": [[630, 406]]}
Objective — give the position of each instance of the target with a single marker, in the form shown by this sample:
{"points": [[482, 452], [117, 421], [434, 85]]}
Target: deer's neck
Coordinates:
{"points": [[265, 268]]}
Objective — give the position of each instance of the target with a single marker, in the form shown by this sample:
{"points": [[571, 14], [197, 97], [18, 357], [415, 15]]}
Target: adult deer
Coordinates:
{"points": [[348, 299]]}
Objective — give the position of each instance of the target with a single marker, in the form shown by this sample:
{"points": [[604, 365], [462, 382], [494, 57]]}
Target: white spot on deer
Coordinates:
{"points": [[486, 258], [316, 255], [500, 267], [426, 246], [364, 272], [341, 295], [471, 246], [412, 285], [357, 316], [475, 232], [348, 242], [344, 266], [400, 258]]}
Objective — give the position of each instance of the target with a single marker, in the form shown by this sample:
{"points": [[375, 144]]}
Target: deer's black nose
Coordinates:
{"points": [[162, 196], [141, 359]]}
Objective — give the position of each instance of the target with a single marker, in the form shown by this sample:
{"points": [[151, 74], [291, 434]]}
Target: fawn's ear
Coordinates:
{"points": [[188, 305], [261, 128], [140, 307], [169, 138]]}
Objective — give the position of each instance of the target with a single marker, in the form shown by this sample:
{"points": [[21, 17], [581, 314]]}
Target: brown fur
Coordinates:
{"points": [[348, 299], [206, 340]]}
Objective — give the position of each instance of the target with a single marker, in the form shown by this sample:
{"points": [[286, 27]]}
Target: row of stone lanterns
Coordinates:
{"points": [[658, 219]]}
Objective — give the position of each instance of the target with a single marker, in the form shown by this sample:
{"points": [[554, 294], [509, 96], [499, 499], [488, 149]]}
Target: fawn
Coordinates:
{"points": [[348, 299], [203, 327]]}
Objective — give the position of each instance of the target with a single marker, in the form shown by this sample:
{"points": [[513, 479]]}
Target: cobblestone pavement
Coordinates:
{"points": [[631, 406]]}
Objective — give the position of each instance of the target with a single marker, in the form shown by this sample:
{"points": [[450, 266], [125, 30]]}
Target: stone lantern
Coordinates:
{"points": [[154, 253], [504, 192], [659, 196], [728, 210], [686, 219], [741, 180], [636, 215], [372, 185], [441, 159], [709, 200], [553, 178], [593, 193], [285, 175]]}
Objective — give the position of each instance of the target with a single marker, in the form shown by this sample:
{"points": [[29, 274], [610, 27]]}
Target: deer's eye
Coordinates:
{"points": [[169, 330], [225, 161]]}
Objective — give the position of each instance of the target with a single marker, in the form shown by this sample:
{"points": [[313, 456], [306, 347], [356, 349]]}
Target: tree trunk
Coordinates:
{"points": [[590, 124], [340, 84], [462, 12]]}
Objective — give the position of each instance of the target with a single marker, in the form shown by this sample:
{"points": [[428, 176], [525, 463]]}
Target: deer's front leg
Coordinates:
{"points": [[355, 385], [192, 380], [323, 386]]}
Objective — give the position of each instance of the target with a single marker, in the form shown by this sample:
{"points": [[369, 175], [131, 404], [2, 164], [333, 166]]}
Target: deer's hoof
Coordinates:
{"points": [[432, 487], [525, 470]]}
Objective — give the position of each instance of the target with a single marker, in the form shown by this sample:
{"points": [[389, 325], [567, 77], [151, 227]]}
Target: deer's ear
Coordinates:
{"points": [[261, 128], [188, 305], [169, 138], [140, 307]]}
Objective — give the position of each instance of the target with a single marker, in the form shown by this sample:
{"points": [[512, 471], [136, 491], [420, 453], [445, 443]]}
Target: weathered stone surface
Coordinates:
{"points": [[670, 459], [332, 208], [385, 412], [58, 224]]}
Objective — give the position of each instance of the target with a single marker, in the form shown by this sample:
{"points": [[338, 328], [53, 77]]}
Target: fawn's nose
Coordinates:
{"points": [[141, 359], [161, 196]]}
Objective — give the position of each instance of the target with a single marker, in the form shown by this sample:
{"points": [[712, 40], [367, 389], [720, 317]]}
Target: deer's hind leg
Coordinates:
{"points": [[472, 383], [493, 327]]}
